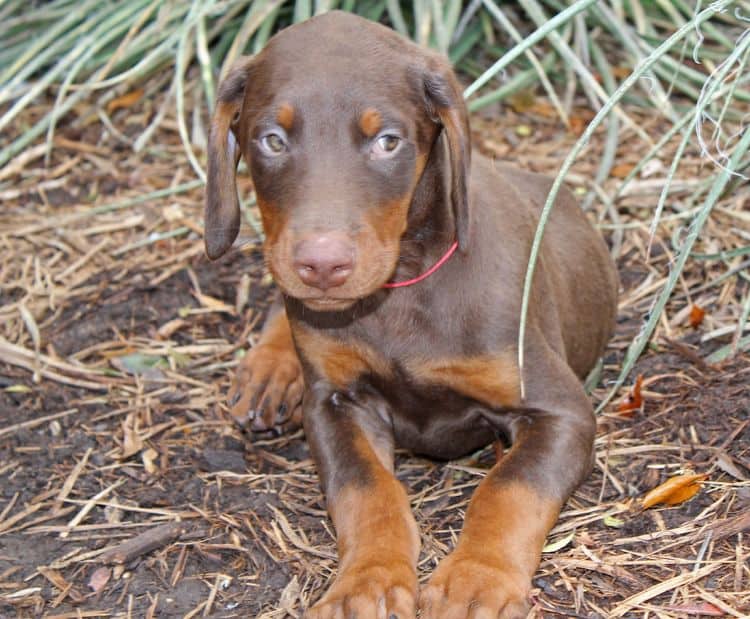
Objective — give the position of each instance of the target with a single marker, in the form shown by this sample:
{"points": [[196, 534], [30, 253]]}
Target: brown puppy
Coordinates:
{"points": [[358, 145]]}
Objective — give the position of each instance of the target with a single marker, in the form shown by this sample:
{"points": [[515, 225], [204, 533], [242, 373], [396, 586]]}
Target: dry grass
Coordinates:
{"points": [[126, 491]]}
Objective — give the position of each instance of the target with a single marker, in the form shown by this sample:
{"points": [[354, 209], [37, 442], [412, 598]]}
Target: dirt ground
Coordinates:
{"points": [[126, 491]]}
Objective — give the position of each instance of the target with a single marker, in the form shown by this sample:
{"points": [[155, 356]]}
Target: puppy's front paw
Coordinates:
{"points": [[465, 587], [386, 591], [266, 393]]}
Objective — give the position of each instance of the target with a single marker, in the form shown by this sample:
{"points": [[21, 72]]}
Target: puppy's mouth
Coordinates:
{"points": [[327, 304]]}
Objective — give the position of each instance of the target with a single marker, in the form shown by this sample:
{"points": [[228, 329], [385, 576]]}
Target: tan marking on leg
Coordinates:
{"points": [[267, 377], [285, 116], [370, 122], [493, 380], [378, 543], [497, 554]]}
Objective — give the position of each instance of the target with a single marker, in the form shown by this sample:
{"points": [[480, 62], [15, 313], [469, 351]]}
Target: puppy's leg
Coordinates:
{"points": [[488, 575], [267, 390], [377, 537]]}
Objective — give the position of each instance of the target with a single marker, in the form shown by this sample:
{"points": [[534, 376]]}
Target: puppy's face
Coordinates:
{"points": [[337, 119]]}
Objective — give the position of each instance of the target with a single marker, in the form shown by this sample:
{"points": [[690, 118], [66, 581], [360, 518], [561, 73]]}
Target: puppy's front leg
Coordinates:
{"points": [[377, 537], [267, 390], [488, 575]]}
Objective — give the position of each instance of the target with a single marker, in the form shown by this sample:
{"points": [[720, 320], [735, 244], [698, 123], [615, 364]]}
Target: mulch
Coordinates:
{"points": [[127, 492]]}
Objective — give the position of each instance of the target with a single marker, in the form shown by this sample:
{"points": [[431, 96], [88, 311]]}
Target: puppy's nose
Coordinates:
{"points": [[324, 261]]}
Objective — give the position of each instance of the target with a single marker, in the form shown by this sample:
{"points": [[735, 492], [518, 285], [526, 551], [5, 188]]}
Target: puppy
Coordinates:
{"points": [[400, 260]]}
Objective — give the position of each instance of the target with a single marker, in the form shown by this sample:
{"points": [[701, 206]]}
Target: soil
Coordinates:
{"points": [[84, 470]]}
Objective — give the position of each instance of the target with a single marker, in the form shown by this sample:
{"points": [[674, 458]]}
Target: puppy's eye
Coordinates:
{"points": [[273, 144], [385, 145]]}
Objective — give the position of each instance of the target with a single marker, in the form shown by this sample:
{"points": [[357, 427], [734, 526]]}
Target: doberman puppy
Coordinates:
{"points": [[358, 145]]}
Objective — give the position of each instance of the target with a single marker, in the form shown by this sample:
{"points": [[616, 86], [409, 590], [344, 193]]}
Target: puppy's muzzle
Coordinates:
{"points": [[324, 261]]}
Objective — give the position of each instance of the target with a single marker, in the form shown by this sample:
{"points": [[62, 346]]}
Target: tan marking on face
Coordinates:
{"points": [[492, 380], [273, 221], [390, 220], [370, 122], [285, 116], [339, 363]]}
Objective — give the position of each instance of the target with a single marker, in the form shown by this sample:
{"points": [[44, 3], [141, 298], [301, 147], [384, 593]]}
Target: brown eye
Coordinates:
{"points": [[273, 144], [385, 145], [388, 142]]}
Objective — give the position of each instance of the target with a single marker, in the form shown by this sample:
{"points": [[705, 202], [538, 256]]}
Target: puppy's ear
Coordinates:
{"points": [[222, 217], [445, 103]]}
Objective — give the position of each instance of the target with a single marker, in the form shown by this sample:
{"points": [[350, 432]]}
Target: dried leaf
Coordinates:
{"points": [[127, 100], [612, 521], [675, 490], [725, 463], [697, 313], [522, 101], [559, 544], [290, 595], [633, 401], [132, 443], [149, 457], [99, 578], [622, 72], [577, 125], [622, 170], [139, 364], [544, 109], [524, 130], [698, 608], [169, 328]]}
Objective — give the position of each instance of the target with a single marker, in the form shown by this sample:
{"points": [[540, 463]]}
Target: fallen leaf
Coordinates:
{"points": [[127, 100], [289, 595], [613, 522], [171, 327], [140, 364], [675, 490], [622, 170], [149, 457], [522, 101], [726, 464], [700, 608], [577, 125], [621, 72], [524, 131], [633, 401], [559, 544], [132, 443], [544, 109], [99, 578], [697, 313]]}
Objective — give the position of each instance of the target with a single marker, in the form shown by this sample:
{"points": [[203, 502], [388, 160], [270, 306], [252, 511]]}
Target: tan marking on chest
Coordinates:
{"points": [[490, 379], [340, 363]]}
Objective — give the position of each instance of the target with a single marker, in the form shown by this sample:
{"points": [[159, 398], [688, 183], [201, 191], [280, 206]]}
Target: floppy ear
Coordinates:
{"points": [[222, 217], [446, 104]]}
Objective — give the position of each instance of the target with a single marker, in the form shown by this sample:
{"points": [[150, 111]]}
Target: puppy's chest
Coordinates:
{"points": [[412, 365]]}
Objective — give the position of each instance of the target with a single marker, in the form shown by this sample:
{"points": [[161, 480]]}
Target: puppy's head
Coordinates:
{"points": [[337, 118]]}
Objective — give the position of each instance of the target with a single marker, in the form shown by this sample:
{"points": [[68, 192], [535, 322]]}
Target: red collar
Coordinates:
{"points": [[428, 272]]}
